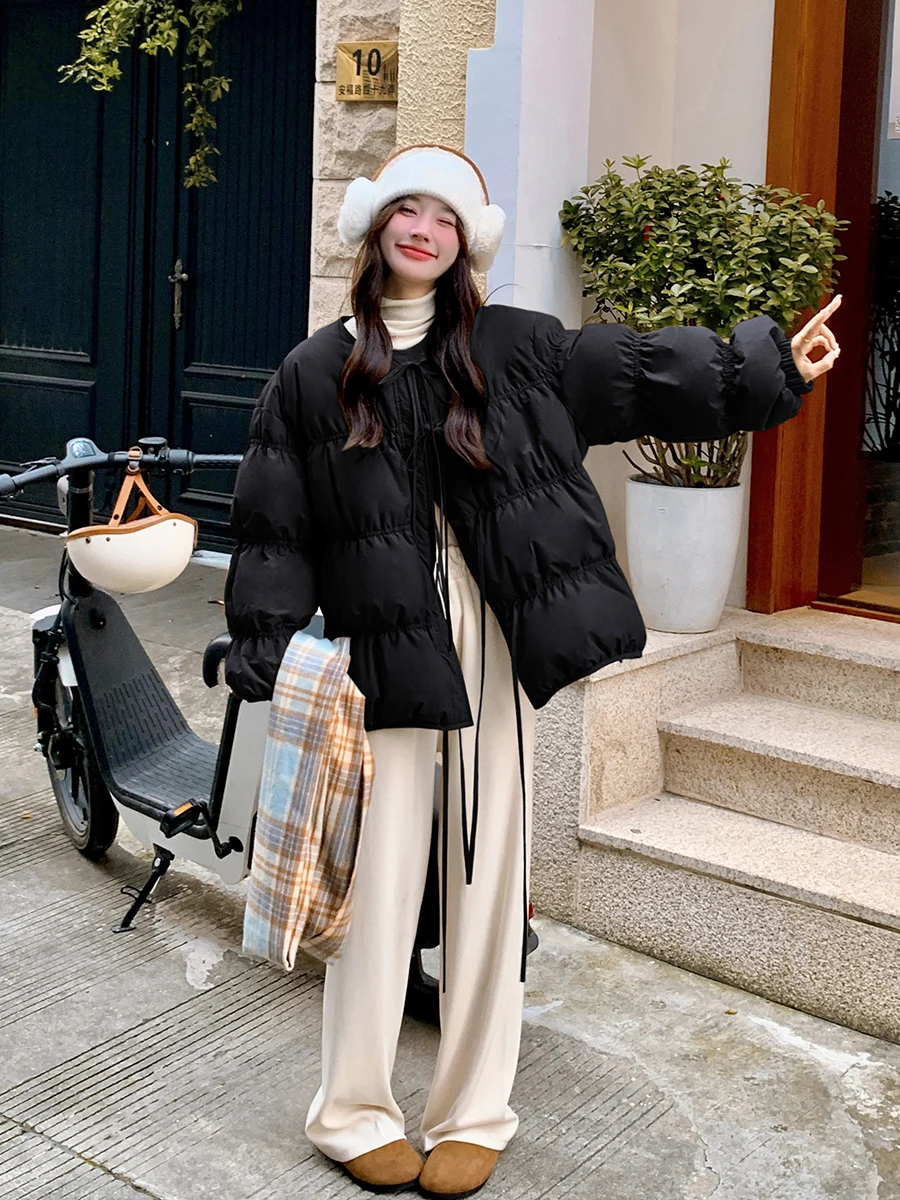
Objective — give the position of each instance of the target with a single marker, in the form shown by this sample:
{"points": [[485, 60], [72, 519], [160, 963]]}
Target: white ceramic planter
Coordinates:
{"points": [[682, 545]]}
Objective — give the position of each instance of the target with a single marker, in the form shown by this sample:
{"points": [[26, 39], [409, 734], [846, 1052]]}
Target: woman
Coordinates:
{"points": [[416, 471]]}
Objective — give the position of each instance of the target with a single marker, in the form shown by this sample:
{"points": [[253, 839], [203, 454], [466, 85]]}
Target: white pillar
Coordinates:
{"points": [[681, 80], [528, 107], [685, 81]]}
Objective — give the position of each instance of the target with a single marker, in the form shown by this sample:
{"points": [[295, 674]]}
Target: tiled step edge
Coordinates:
{"points": [[862, 747], [829, 635], [827, 873]]}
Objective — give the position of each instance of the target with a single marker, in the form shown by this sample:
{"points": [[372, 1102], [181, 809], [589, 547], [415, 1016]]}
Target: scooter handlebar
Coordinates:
{"points": [[10, 484], [173, 460], [214, 461]]}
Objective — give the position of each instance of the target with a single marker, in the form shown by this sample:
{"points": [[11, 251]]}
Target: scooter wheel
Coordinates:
{"points": [[89, 816]]}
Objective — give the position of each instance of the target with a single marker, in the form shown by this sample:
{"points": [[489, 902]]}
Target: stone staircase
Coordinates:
{"points": [[770, 855]]}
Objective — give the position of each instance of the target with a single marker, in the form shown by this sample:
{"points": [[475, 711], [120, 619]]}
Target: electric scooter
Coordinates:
{"points": [[118, 746]]}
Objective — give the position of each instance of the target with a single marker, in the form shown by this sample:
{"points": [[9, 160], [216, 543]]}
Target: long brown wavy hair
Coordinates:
{"points": [[456, 303]]}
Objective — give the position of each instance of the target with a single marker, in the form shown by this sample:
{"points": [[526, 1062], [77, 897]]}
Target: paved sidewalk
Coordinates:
{"points": [[163, 1064]]}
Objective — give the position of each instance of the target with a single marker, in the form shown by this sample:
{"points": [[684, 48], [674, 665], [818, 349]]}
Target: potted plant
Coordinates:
{"points": [[679, 246], [881, 434]]}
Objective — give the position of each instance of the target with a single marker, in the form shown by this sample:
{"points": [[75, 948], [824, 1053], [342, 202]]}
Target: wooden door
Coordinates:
{"points": [[807, 497], [844, 464]]}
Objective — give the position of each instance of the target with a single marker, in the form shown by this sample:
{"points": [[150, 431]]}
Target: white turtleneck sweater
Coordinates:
{"points": [[407, 321]]}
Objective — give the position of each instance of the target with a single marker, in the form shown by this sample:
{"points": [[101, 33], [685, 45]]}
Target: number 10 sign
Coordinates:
{"points": [[367, 71]]}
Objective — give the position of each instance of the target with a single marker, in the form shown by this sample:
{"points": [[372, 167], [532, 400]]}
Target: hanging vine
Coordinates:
{"points": [[160, 24]]}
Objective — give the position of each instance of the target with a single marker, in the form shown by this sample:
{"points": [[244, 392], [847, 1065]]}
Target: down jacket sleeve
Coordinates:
{"points": [[271, 589], [680, 384]]}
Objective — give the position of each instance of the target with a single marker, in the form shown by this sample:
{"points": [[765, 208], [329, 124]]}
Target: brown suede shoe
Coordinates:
{"points": [[391, 1168], [456, 1169]]}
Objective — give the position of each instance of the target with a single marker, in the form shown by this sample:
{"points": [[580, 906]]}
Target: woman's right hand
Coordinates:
{"points": [[815, 333]]}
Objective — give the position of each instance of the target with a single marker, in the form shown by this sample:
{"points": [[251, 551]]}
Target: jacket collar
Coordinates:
{"points": [[400, 360]]}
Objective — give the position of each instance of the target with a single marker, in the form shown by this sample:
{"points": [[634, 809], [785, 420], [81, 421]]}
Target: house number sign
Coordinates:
{"points": [[367, 71]]}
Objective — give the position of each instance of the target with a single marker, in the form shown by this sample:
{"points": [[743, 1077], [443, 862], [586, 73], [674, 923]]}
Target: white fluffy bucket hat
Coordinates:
{"points": [[430, 171]]}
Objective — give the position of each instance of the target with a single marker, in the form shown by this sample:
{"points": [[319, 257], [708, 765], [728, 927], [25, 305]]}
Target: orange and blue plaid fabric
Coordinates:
{"points": [[314, 792]]}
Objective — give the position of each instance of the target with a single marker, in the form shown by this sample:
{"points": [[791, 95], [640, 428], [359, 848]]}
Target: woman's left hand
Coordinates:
{"points": [[816, 333]]}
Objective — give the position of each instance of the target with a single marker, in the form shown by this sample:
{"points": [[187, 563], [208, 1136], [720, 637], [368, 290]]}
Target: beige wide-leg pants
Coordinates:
{"points": [[354, 1110]]}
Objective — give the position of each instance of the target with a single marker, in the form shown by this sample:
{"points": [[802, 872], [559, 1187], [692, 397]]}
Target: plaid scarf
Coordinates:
{"points": [[314, 793]]}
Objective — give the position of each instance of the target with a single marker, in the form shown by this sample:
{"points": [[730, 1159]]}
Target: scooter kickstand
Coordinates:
{"points": [[161, 861]]}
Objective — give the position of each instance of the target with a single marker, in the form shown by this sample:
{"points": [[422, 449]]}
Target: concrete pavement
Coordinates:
{"points": [[163, 1064]]}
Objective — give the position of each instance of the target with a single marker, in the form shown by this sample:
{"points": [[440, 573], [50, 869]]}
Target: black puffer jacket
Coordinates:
{"points": [[352, 531]]}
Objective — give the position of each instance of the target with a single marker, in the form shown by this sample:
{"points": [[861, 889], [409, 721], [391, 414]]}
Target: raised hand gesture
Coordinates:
{"points": [[816, 333]]}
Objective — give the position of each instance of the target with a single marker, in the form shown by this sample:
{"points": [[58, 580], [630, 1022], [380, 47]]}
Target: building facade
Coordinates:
{"points": [[709, 803], [730, 801]]}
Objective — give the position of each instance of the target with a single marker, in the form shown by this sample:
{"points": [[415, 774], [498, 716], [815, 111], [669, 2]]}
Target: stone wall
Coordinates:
{"points": [[354, 139], [598, 747], [435, 40], [348, 140]]}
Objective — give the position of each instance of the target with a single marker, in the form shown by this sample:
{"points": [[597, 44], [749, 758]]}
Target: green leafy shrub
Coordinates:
{"points": [[677, 246], [159, 24]]}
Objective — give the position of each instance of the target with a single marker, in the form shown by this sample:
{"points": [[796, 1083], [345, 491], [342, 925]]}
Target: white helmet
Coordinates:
{"points": [[134, 555]]}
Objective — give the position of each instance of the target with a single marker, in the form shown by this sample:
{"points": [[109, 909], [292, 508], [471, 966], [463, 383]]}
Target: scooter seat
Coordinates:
{"points": [[149, 757]]}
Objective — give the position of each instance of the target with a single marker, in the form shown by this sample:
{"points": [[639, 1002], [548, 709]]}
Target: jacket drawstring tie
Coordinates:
{"points": [[521, 743], [470, 861], [424, 440], [425, 437], [412, 457], [468, 839]]}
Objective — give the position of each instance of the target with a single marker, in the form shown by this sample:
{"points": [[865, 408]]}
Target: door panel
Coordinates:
{"points": [[94, 215], [245, 242], [249, 245], [60, 282], [49, 281]]}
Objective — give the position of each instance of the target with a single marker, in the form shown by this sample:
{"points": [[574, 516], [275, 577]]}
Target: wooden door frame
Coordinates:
{"points": [[843, 467], [805, 538]]}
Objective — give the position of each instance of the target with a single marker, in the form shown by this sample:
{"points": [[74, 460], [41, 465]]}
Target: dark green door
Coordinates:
{"points": [[67, 252], [94, 218]]}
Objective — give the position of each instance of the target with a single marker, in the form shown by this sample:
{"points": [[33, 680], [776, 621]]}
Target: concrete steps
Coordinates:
{"points": [[771, 858], [818, 769], [829, 660], [804, 919]]}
